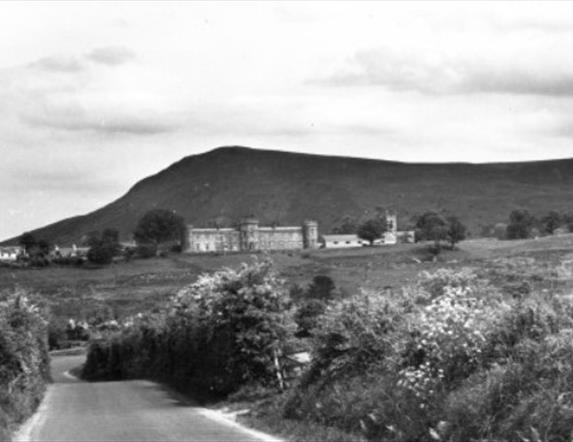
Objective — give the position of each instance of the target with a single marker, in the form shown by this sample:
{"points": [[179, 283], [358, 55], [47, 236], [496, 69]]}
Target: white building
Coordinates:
{"points": [[390, 237], [341, 241], [10, 253]]}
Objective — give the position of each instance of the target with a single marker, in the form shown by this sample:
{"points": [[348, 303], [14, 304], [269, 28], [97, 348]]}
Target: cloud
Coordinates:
{"points": [[57, 64], [75, 119], [111, 55], [435, 73], [66, 179]]}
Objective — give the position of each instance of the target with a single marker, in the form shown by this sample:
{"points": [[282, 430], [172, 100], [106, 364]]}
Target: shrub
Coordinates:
{"points": [[146, 251], [449, 360], [307, 316], [222, 332], [24, 359]]}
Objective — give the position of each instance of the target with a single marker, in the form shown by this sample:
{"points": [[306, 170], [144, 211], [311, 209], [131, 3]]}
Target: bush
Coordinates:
{"points": [[307, 316], [449, 359], [222, 332], [24, 359], [146, 251]]}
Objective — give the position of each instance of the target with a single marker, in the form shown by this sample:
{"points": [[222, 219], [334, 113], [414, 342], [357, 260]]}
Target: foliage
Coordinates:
{"points": [[104, 248], [307, 316], [312, 303], [158, 226], [550, 222], [567, 221], [347, 226], [146, 251], [249, 305], [520, 225], [217, 334], [101, 253], [37, 250], [28, 241], [432, 226], [456, 230], [24, 359], [321, 287], [372, 229], [448, 359]]}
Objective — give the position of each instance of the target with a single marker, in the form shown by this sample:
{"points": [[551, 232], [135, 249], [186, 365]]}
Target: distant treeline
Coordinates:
{"points": [[521, 224]]}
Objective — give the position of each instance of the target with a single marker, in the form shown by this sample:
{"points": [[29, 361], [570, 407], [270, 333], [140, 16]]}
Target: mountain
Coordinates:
{"points": [[228, 183]]}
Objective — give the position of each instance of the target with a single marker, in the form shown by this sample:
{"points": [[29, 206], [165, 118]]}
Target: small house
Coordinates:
{"points": [[341, 241], [10, 253]]}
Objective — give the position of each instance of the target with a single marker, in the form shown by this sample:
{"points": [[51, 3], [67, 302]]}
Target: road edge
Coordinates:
{"points": [[227, 419], [24, 432]]}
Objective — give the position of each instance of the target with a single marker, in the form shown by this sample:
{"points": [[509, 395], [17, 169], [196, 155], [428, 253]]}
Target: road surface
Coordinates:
{"points": [[139, 410]]}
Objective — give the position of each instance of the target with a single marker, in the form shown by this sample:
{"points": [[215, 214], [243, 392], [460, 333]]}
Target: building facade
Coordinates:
{"points": [[249, 236], [11, 253], [391, 236]]}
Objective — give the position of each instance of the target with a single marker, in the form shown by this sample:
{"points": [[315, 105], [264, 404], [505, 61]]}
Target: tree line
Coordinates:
{"points": [[153, 230]]}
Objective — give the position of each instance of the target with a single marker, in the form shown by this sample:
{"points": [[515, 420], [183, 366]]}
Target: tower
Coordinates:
{"points": [[187, 240], [310, 234], [392, 221], [249, 234], [391, 234]]}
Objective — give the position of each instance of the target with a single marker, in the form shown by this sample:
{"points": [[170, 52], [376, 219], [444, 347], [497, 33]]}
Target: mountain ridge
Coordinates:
{"points": [[229, 182]]}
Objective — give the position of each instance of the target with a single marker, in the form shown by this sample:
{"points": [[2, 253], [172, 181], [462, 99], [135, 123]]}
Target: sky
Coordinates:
{"points": [[96, 96]]}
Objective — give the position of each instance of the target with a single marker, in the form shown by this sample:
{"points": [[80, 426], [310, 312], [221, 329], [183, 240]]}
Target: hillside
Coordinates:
{"points": [[228, 183]]}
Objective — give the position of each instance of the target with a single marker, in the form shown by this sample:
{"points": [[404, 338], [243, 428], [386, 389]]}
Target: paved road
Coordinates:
{"points": [[122, 411]]}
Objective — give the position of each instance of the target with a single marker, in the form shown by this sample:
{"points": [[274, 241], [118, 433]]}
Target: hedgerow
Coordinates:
{"points": [[24, 359], [226, 330]]}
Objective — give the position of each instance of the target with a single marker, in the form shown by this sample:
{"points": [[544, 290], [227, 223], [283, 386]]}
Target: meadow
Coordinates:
{"points": [[124, 289]]}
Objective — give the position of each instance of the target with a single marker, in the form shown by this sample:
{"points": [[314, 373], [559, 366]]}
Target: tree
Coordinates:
{"points": [[347, 226], [101, 253], [321, 288], [521, 222], [44, 247], [372, 229], [431, 226], [551, 222], [313, 305], [306, 316], [28, 241], [90, 238], [568, 221], [158, 226], [104, 248], [456, 230], [110, 236]]}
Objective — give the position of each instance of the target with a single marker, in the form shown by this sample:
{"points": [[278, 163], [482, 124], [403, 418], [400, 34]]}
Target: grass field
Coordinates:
{"points": [[139, 285]]}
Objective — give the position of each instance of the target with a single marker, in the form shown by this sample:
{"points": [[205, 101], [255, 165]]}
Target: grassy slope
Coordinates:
{"points": [[143, 284], [229, 183]]}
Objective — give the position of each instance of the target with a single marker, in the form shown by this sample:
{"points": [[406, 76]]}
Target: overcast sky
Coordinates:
{"points": [[95, 96]]}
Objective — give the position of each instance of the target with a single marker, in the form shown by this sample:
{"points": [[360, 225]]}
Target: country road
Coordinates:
{"points": [[138, 410]]}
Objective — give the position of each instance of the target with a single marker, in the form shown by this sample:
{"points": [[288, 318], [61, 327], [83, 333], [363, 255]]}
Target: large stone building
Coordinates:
{"points": [[249, 236]]}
